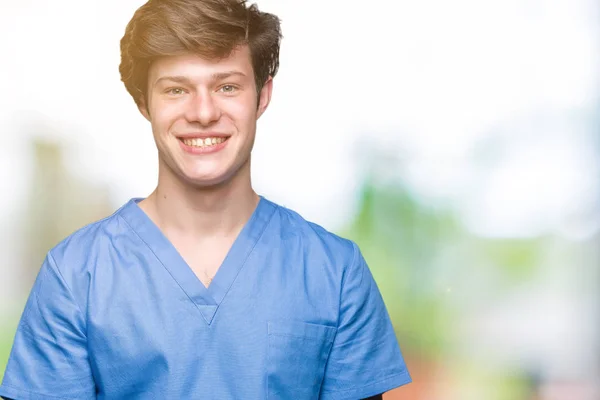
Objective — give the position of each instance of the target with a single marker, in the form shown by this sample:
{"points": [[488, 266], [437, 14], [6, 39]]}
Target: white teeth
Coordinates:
{"points": [[203, 142]]}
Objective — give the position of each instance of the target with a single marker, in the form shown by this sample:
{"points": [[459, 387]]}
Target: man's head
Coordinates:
{"points": [[201, 69]]}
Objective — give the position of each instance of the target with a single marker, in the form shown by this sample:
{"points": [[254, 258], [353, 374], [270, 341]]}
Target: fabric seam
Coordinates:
{"points": [[405, 373], [32, 392]]}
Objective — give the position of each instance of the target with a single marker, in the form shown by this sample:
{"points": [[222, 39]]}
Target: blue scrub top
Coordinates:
{"points": [[292, 313]]}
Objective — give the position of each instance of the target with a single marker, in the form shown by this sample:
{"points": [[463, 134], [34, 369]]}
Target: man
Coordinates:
{"points": [[204, 289]]}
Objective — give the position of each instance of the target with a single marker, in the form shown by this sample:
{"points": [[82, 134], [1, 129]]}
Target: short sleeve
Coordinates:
{"points": [[49, 358], [365, 358]]}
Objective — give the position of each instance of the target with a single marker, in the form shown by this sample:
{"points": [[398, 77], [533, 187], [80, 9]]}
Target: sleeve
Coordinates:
{"points": [[365, 359], [49, 358]]}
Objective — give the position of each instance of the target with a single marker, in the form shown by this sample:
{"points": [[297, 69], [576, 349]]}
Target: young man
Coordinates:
{"points": [[204, 289]]}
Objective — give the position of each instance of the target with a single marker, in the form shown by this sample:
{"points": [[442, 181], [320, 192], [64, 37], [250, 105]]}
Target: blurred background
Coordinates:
{"points": [[458, 143]]}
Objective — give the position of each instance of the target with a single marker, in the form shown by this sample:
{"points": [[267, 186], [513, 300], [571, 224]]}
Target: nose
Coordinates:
{"points": [[203, 109]]}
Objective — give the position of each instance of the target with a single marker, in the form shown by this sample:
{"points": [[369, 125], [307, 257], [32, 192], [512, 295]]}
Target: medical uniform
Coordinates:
{"points": [[292, 313]]}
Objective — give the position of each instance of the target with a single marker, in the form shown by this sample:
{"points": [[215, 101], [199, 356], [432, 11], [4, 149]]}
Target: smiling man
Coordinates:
{"points": [[204, 289]]}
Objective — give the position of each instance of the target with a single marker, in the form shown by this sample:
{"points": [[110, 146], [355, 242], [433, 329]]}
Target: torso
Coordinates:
{"points": [[263, 328]]}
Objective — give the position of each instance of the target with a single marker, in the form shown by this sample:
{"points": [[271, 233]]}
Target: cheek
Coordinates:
{"points": [[243, 113], [164, 117]]}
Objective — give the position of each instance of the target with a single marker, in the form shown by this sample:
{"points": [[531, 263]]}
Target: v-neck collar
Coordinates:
{"points": [[207, 300]]}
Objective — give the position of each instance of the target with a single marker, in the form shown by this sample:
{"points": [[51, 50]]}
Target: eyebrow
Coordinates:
{"points": [[186, 81]]}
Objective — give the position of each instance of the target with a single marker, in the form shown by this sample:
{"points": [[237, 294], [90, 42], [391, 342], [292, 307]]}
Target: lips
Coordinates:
{"points": [[203, 142], [202, 135]]}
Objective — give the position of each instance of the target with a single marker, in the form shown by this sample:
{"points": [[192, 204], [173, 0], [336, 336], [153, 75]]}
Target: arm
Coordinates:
{"points": [[49, 358], [365, 359]]}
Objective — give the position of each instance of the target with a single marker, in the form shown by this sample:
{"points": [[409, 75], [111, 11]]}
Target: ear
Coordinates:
{"points": [[143, 107], [265, 97]]}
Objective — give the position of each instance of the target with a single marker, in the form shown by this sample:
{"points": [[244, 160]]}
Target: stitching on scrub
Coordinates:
{"points": [[354, 257], [54, 339], [369, 385], [62, 350], [161, 263], [293, 336], [53, 260], [328, 358], [36, 393]]}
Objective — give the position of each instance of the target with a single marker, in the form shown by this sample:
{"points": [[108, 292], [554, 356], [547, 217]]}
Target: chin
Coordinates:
{"points": [[213, 176], [205, 180]]}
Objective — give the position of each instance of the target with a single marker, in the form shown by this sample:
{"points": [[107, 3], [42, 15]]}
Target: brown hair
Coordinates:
{"points": [[211, 29]]}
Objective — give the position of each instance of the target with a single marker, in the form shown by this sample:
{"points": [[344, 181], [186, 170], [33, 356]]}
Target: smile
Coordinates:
{"points": [[204, 142]]}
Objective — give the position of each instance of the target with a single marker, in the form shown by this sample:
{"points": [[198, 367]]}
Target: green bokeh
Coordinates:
{"points": [[7, 333]]}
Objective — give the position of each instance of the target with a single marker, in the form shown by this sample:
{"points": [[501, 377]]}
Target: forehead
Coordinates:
{"points": [[195, 67]]}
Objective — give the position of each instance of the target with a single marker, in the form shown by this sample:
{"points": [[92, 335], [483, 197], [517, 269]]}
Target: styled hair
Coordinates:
{"points": [[211, 29]]}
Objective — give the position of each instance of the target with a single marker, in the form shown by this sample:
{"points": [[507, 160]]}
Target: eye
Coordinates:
{"points": [[176, 91], [228, 89]]}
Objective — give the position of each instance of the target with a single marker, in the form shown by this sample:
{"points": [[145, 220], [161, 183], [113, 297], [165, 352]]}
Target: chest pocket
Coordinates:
{"points": [[296, 357]]}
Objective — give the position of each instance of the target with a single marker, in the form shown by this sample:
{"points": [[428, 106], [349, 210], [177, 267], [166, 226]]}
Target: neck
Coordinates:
{"points": [[201, 212]]}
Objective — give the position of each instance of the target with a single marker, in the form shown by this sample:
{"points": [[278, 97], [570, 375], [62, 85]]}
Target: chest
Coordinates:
{"points": [[269, 337]]}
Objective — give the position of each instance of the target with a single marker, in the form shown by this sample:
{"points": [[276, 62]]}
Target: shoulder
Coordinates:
{"points": [[75, 257], [316, 239], [82, 243]]}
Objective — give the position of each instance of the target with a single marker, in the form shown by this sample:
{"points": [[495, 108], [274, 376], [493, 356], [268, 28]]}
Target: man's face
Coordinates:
{"points": [[203, 115]]}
